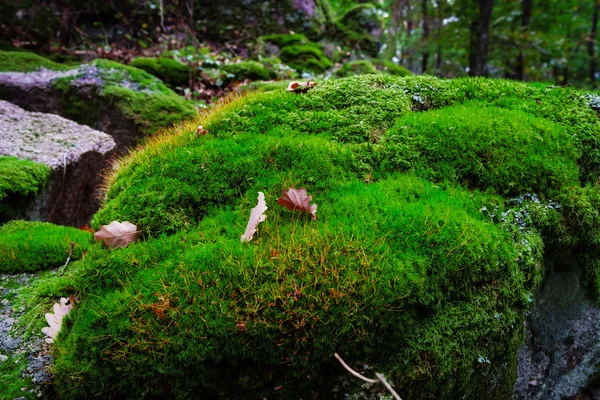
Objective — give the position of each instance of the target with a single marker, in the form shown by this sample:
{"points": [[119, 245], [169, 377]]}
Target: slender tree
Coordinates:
{"points": [[526, 9], [592, 43], [480, 38], [425, 59]]}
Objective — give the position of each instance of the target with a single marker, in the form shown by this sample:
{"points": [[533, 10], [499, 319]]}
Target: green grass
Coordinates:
{"points": [[20, 61], [437, 201], [35, 246]]}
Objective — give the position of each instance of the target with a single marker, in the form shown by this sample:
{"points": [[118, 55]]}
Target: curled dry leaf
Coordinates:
{"points": [[257, 215], [201, 131], [297, 200], [55, 319], [117, 234], [301, 87]]}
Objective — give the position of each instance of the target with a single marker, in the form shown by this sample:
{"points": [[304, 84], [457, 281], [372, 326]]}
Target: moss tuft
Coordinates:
{"points": [[170, 71], [35, 246], [249, 69], [358, 67], [305, 57], [21, 61], [19, 180]]}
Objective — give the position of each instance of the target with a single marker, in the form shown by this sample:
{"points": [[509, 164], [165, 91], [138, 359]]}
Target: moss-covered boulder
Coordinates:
{"points": [[360, 28], [122, 101], [438, 202], [296, 50], [35, 246]]}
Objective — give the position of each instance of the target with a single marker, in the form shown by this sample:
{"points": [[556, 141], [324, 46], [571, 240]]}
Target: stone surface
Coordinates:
{"points": [[76, 154], [562, 348]]}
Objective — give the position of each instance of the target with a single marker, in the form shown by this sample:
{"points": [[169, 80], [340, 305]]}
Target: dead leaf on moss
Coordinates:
{"points": [[257, 215], [86, 228], [117, 234], [297, 200], [301, 87]]}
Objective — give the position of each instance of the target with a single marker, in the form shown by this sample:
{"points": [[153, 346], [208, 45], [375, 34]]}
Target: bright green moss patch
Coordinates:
{"points": [[170, 71], [20, 61], [437, 203], [34, 246]]}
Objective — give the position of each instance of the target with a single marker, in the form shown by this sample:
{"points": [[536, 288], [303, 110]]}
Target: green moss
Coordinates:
{"points": [[249, 69], [392, 68], [34, 246], [305, 57], [12, 381], [170, 71], [284, 39], [436, 201], [20, 61], [19, 180], [353, 28], [358, 67]]}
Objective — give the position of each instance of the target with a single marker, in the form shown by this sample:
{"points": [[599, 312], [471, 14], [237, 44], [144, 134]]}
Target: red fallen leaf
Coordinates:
{"points": [[201, 131], [241, 327], [86, 228], [117, 234], [301, 87], [297, 200]]}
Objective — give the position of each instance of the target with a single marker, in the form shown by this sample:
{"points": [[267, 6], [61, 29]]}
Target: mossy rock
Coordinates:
{"points": [[19, 180], [391, 68], [123, 101], [359, 28], [35, 246], [358, 67], [306, 57], [249, 69], [436, 201], [170, 71]]}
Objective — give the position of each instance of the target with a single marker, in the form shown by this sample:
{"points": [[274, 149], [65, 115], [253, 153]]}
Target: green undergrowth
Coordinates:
{"points": [[34, 246], [141, 98], [21, 61], [354, 28], [437, 202], [19, 180]]}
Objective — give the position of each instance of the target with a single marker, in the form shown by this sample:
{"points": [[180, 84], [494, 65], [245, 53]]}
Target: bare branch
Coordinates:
{"points": [[380, 377], [353, 372]]}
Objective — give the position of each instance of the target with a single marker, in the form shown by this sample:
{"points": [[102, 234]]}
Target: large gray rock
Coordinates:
{"points": [[76, 153], [562, 350]]}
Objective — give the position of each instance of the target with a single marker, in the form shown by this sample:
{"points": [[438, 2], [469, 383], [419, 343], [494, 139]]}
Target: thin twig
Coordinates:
{"points": [[68, 259], [380, 377], [353, 372]]}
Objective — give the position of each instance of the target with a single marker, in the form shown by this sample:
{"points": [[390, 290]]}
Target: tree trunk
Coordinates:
{"points": [[393, 27], [425, 59], [438, 35], [592, 43], [480, 39], [526, 8]]}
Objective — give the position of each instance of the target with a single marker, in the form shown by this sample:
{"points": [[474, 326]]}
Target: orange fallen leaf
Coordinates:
{"points": [[117, 234], [297, 200], [86, 228]]}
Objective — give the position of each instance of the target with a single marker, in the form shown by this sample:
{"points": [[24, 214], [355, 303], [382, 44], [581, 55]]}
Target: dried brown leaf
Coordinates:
{"points": [[297, 200], [301, 87], [257, 215], [117, 234]]}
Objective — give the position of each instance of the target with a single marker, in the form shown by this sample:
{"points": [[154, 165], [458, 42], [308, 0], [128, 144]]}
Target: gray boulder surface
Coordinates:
{"points": [[76, 153]]}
